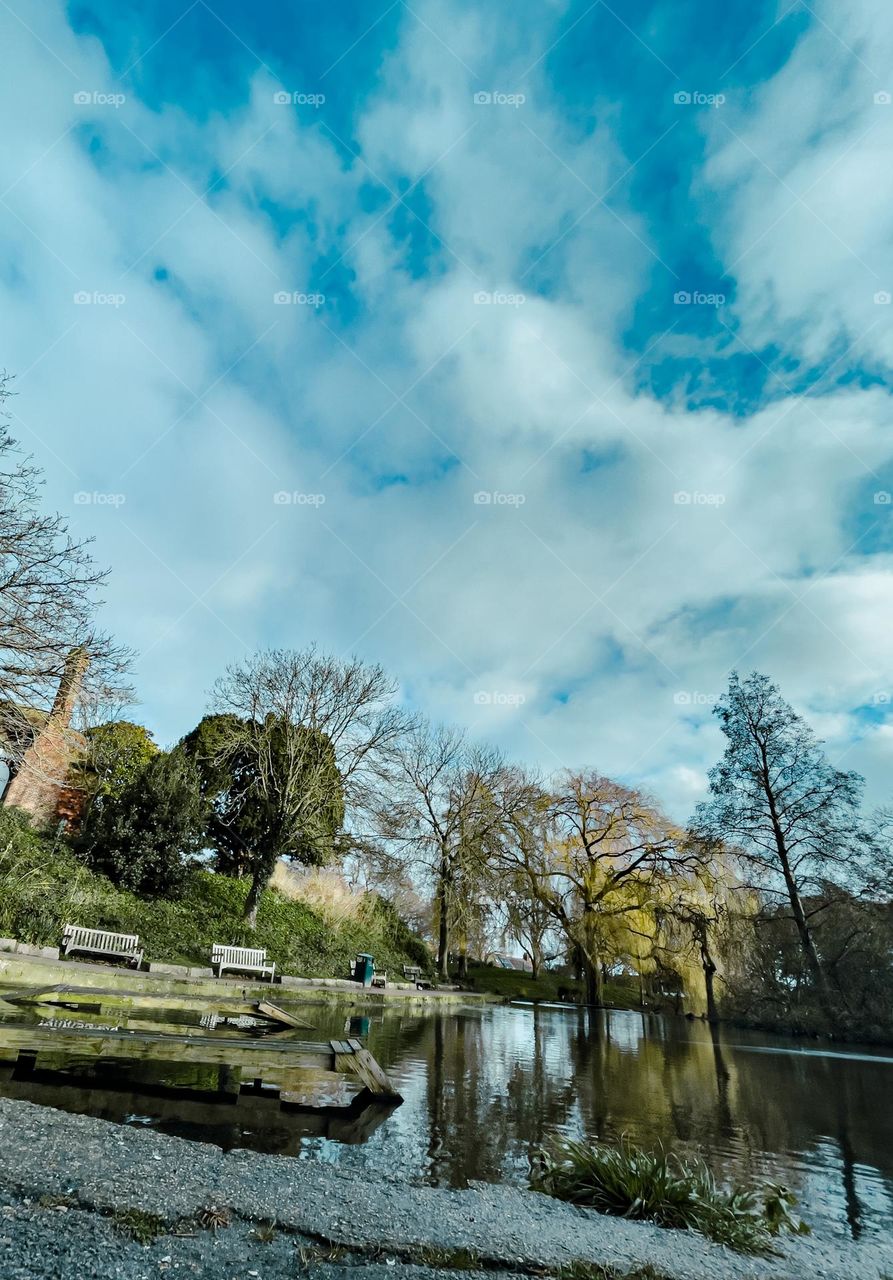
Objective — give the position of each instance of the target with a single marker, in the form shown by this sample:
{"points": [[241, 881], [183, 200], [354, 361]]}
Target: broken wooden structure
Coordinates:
{"points": [[262, 1053]]}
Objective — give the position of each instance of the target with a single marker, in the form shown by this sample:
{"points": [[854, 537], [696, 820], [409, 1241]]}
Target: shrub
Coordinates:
{"points": [[142, 837], [663, 1188]]}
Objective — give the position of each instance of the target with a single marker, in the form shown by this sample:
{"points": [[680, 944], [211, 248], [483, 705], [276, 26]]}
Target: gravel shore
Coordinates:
{"points": [[74, 1189]]}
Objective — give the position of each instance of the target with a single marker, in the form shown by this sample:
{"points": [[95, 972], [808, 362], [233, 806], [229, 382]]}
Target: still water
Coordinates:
{"points": [[486, 1087]]}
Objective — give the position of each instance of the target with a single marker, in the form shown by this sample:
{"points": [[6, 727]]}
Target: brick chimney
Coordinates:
{"points": [[39, 785], [69, 687]]}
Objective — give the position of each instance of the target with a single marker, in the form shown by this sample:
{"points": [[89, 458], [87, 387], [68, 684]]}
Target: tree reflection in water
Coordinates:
{"points": [[499, 1084]]}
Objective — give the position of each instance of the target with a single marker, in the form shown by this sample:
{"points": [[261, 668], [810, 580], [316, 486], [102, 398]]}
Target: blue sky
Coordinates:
{"points": [[579, 396]]}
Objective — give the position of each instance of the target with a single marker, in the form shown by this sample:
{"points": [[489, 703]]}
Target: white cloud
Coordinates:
{"points": [[598, 597]]}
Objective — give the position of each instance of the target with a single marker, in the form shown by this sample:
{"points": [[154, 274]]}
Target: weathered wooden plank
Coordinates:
{"points": [[123, 1001], [270, 1010], [372, 1075], [253, 1055], [28, 994]]}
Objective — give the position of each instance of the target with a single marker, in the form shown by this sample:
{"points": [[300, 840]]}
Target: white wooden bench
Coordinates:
{"points": [[98, 942], [241, 960], [379, 979], [412, 971]]}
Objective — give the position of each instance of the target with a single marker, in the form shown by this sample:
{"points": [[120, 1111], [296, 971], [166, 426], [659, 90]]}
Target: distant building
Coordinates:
{"points": [[503, 961], [39, 784]]}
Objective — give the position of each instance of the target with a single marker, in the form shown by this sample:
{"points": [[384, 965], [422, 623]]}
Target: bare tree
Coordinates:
{"points": [[286, 721], [446, 810], [48, 603]]}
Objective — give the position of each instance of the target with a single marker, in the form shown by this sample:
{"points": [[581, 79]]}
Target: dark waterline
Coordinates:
{"points": [[486, 1089]]}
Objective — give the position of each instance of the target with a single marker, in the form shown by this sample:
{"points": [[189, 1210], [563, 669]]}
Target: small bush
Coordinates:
{"points": [[663, 1188]]}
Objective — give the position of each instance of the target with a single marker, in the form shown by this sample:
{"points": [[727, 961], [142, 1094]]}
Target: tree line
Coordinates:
{"points": [[772, 902]]}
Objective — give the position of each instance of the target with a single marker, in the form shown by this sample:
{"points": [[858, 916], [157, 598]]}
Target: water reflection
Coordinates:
{"points": [[486, 1088], [486, 1091]]}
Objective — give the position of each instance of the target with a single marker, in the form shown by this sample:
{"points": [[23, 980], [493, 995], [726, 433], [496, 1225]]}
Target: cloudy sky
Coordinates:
{"points": [[540, 351]]}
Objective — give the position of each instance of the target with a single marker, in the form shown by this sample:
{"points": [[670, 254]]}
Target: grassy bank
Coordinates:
{"points": [[43, 886], [512, 984]]}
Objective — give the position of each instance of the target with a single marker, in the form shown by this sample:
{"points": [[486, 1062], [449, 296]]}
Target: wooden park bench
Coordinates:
{"points": [[413, 973], [241, 960], [379, 979], [98, 942]]}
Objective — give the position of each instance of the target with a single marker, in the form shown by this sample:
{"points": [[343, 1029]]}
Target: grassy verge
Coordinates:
{"points": [[43, 886], [512, 984], [660, 1187]]}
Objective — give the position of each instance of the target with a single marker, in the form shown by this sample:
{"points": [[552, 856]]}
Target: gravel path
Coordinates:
{"points": [[98, 1168]]}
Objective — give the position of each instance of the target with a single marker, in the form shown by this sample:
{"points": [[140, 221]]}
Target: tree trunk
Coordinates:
{"points": [[252, 901], [595, 983], [709, 974], [813, 960], [443, 940], [462, 972], [709, 967]]}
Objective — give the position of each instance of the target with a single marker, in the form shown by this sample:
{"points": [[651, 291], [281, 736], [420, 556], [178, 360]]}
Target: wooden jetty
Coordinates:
{"points": [[320, 1066], [114, 1002]]}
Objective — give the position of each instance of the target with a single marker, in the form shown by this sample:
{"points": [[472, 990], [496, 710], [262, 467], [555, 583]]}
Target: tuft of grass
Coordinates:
{"points": [[663, 1188], [140, 1226], [212, 1217], [264, 1232], [603, 1271], [443, 1259]]}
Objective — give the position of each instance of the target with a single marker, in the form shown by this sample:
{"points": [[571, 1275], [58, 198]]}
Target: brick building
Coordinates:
{"points": [[40, 783]]}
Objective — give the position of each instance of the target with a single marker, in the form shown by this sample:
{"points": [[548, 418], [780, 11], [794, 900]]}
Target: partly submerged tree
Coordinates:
{"points": [[306, 737], [48, 602], [143, 837], [793, 818]]}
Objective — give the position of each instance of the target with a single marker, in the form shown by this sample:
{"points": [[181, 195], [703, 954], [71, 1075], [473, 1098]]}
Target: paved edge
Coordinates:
{"points": [[109, 1168]]}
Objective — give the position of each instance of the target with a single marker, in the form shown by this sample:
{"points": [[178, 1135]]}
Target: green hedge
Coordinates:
{"points": [[43, 886]]}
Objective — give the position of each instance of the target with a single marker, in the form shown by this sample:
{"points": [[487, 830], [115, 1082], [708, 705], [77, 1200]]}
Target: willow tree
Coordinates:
{"points": [[607, 848], [794, 819]]}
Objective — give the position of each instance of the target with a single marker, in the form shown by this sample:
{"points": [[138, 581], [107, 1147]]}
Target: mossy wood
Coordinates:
{"points": [[252, 1056]]}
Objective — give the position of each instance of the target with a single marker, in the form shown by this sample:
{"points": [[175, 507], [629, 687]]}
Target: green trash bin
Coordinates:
{"points": [[363, 969]]}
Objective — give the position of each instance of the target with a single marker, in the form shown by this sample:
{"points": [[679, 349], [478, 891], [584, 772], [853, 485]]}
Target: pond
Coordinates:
{"points": [[486, 1087]]}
